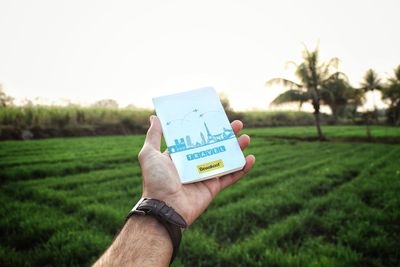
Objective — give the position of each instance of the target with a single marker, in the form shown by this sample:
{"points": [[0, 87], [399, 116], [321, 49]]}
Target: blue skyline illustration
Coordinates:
{"points": [[186, 143]]}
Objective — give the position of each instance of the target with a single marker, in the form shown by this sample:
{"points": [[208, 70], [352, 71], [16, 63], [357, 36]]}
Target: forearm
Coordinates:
{"points": [[143, 241]]}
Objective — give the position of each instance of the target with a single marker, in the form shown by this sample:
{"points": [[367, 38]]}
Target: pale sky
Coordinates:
{"points": [[131, 51]]}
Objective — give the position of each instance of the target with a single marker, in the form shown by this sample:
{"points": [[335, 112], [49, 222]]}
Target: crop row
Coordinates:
{"points": [[330, 131], [267, 175], [66, 152], [341, 219], [268, 204], [303, 204], [36, 235], [337, 228]]}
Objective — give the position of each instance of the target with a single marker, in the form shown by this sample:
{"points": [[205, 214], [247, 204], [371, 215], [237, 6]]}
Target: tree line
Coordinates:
{"points": [[105, 117], [321, 83]]}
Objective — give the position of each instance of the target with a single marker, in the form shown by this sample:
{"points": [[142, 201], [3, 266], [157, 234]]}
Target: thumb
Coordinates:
{"points": [[154, 133]]}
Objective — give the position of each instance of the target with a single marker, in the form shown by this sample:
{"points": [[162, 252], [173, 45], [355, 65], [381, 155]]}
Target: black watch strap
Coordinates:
{"points": [[172, 221]]}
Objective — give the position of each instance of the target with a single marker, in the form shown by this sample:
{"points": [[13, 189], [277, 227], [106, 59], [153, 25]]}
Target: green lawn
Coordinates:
{"points": [[303, 204]]}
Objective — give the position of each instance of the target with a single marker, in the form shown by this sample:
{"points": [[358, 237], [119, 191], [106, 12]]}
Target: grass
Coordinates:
{"points": [[350, 131], [38, 122], [303, 204]]}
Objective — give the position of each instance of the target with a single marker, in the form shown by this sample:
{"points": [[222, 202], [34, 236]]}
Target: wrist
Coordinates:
{"points": [[152, 226], [173, 222], [174, 201], [142, 235]]}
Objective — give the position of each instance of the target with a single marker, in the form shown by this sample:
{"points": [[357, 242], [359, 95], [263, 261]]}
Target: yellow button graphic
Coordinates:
{"points": [[210, 166]]}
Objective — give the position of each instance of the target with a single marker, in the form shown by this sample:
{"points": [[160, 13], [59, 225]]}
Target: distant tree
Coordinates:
{"points": [[370, 83], [391, 93], [227, 107], [225, 102], [336, 93], [5, 100], [312, 75], [131, 106], [356, 99], [25, 102], [106, 103]]}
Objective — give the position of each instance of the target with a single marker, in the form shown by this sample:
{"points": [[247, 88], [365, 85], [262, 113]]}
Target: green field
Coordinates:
{"points": [[304, 203]]}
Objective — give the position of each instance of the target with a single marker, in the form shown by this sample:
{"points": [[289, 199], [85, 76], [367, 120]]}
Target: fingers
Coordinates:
{"points": [[154, 133], [250, 160], [237, 125], [244, 141], [232, 178]]}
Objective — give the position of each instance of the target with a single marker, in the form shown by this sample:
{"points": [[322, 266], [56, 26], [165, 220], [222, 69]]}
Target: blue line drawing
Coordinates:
{"points": [[183, 118], [205, 113], [181, 144]]}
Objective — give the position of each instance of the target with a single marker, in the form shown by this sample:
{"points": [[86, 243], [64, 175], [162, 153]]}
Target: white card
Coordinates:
{"points": [[198, 135]]}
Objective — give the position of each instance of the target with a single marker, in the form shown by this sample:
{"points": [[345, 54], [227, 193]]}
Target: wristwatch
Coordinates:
{"points": [[172, 220]]}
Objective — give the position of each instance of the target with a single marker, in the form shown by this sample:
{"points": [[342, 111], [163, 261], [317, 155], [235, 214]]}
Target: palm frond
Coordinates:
{"points": [[291, 96], [285, 82], [334, 62], [336, 76], [371, 81], [303, 74], [327, 68], [397, 73]]}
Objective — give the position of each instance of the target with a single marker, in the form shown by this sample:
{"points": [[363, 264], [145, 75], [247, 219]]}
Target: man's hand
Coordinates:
{"points": [[143, 241], [161, 180]]}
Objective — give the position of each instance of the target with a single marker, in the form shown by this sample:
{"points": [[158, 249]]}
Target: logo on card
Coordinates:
{"points": [[210, 166]]}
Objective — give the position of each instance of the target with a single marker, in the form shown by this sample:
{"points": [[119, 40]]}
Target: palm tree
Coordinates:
{"points": [[391, 92], [336, 93], [312, 76], [356, 99], [341, 97], [370, 83]]}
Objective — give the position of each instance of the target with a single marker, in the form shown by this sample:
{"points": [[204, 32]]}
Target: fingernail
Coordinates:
{"points": [[151, 119]]}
